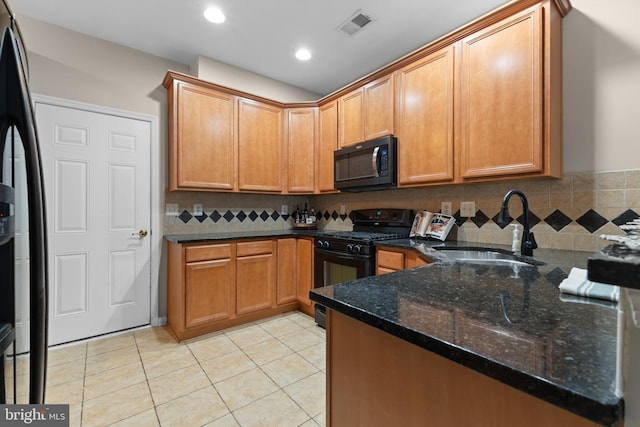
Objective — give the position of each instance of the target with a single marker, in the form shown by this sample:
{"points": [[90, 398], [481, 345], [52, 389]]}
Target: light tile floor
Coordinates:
{"points": [[266, 373]]}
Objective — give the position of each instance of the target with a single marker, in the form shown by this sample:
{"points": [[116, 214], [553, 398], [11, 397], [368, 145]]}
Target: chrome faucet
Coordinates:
{"points": [[528, 241]]}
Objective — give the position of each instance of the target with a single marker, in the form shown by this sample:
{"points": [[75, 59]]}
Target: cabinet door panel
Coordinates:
{"points": [[501, 98], [351, 119], [305, 270], [425, 120], [301, 132], [378, 108], [204, 143], [208, 291], [255, 285], [260, 162], [287, 271], [327, 144]]}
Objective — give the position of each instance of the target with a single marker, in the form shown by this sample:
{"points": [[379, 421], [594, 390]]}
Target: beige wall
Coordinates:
{"points": [[256, 84], [601, 85]]}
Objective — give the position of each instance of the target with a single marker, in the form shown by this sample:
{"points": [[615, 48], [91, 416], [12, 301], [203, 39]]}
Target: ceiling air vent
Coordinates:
{"points": [[356, 23]]}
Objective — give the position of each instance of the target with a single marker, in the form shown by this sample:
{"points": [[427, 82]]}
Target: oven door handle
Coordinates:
{"points": [[339, 255]]}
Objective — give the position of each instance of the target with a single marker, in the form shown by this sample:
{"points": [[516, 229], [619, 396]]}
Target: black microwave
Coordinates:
{"points": [[370, 165]]}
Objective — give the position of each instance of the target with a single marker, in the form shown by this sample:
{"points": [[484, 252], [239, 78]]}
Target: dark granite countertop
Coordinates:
{"points": [[238, 235], [510, 323]]}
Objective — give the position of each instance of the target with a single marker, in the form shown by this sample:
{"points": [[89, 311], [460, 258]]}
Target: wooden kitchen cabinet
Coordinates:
{"points": [[301, 143], [367, 112], [305, 274], [209, 290], [287, 287], [502, 93], [295, 272], [212, 286], [201, 138], [425, 119], [260, 153], [389, 260], [326, 144], [255, 276]]}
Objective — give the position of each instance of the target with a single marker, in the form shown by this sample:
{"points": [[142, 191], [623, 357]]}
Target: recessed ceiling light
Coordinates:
{"points": [[303, 54], [214, 15]]}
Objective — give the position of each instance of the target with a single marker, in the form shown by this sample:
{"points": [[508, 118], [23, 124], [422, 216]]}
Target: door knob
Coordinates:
{"points": [[142, 233]]}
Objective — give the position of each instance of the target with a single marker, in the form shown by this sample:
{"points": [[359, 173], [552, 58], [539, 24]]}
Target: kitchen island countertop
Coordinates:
{"points": [[509, 323]]}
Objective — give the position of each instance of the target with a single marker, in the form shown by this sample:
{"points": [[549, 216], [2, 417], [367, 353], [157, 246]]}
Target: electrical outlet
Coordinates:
{"points": [[445, 208], [468, 209], [171, 209], [197, 210], [343, 210], [284, 210]]}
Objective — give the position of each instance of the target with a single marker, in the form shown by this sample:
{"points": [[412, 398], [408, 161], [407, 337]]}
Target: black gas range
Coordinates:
{"points": [[342, 256]]}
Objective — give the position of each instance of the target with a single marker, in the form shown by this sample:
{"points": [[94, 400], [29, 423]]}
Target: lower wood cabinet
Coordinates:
{"points": [[389, 260], [255, 276], [212, 286]]}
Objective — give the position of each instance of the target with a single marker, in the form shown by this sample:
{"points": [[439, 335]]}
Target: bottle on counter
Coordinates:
{"points": [[296, 214], [305, 214]]}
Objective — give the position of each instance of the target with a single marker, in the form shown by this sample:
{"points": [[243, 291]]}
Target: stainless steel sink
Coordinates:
{"points": [[488, 257]]}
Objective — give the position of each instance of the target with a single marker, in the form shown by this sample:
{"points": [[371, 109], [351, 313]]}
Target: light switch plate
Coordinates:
{"points": [[284, 210], [468, 209], [445, 208], [197, 210], [171, 209], [343, 210]]}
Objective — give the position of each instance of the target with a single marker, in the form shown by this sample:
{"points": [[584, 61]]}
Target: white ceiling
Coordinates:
{"points": [[263, 35]]}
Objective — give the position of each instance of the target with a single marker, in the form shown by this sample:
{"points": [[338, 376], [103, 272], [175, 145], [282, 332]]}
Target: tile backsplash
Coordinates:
{"points": [[569, 213]]}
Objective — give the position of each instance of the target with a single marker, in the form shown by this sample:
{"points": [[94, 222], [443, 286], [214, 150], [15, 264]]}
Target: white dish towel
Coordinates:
{"points": [[577, 284]]}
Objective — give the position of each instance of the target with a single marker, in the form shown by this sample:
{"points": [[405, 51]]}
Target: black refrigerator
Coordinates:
{"points": [[22, 216]]}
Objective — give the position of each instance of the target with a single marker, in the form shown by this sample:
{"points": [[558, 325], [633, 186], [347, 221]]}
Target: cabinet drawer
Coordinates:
{"points": [[391, 260], [207, 252], [254, 248]]}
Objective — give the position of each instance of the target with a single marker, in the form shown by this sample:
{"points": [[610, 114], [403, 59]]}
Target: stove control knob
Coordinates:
{"points": [[349, 248], [356, 249], [325, 244]]}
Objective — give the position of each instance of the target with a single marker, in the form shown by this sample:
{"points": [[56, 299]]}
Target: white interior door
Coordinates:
{"points": [[97, 188]]}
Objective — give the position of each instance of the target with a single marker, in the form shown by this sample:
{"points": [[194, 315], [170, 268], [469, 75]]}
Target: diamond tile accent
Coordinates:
{"points": [[557, 220], [185, 216], [241, 216], [215, 216], [592, 221], [334, 215], [480, 219], [275, 215], [459, 220], [533, 219], [253, 216], [627, 216], [327, 215], [202, 217], [264, 215], [501, 224], [228, 215]]}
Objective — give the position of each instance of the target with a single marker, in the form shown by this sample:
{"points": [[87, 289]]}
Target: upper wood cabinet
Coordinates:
{"points": [[301, 141], [326, 144], [201, 138], [260, 154], [367, 112], [502, 89], [424, 124]]}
